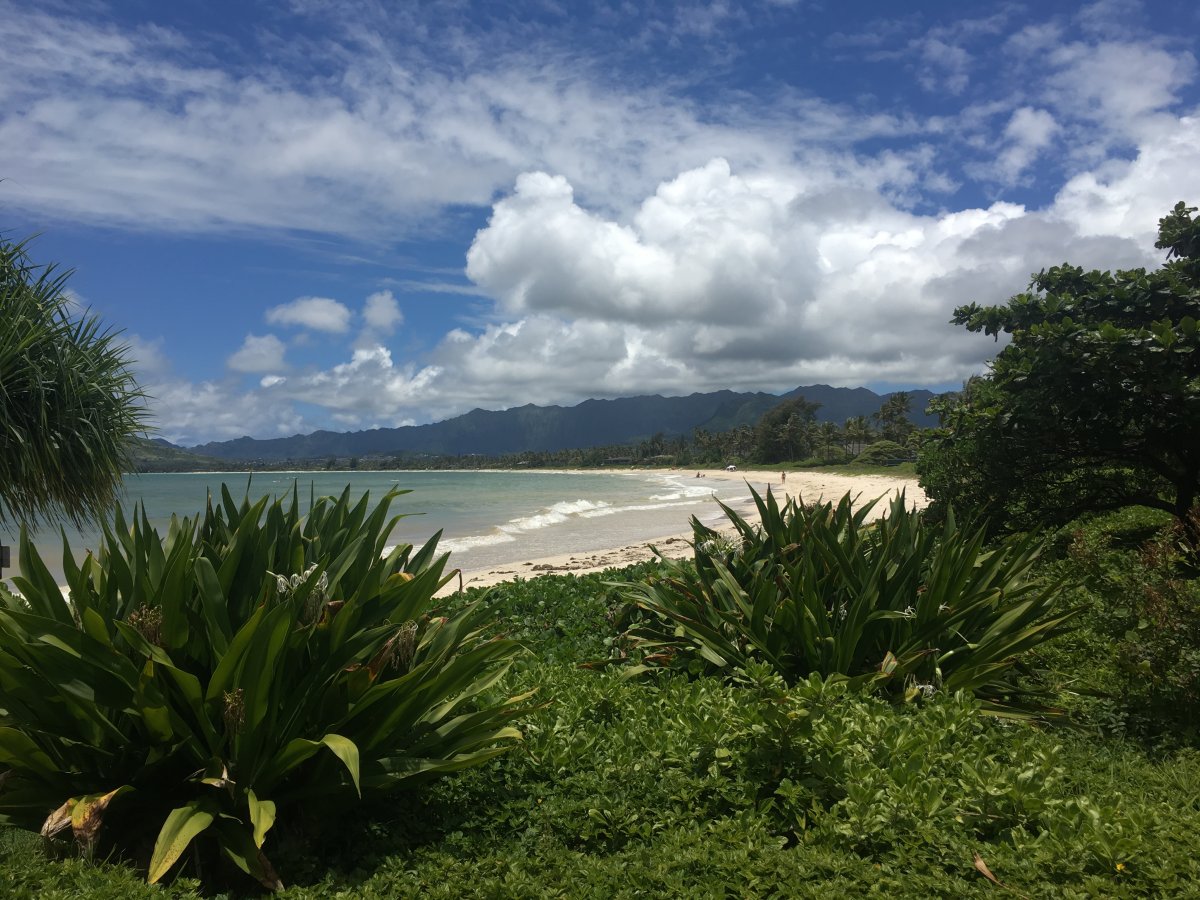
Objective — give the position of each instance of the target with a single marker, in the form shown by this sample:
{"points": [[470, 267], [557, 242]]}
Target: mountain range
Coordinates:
{"points": [[592, 423]]}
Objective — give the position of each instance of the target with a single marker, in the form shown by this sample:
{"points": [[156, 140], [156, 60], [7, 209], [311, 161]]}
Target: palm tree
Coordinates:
{"points": [[69, 406], [858, 433], [829, 434], [892, 418]]}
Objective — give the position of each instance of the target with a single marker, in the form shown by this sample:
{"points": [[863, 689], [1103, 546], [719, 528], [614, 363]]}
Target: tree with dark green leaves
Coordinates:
{"points": [[785, 432], [858, 433], [69, 405], [829, 438], [1094, 403], [892, 418]]}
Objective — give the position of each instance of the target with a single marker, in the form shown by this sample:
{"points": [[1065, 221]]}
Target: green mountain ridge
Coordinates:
{"points": [[548, 428], [158, 455]]}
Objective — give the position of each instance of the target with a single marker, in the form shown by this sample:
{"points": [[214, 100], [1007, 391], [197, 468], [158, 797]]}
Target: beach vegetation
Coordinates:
{"points": [[69, 403], [680, 785], [817, 703], [884, 453], [1093, 404], [201, 697], [893, 420], [1143, 616], [787, 431], [893, 603]]}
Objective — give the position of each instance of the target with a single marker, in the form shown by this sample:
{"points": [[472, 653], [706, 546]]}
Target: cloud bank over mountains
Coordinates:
{"points": [[640, 231]]}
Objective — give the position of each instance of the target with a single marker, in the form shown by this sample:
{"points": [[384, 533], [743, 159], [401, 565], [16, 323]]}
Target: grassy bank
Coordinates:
{"points": [[670, 786]]}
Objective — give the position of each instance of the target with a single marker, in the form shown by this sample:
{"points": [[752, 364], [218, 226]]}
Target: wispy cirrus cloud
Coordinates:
{"points": [[140, 126]]}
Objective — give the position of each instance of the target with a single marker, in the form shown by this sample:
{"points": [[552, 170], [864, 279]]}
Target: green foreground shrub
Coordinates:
{"points": [[673, 785], [823, 590], [676, 786], [1143, 580], [248, 668]]}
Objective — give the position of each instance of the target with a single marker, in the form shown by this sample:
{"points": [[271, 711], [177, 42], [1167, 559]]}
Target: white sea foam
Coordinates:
{"points": [[564, 512], [681, 488], [462, 544], [553, 515], [635, 507]]}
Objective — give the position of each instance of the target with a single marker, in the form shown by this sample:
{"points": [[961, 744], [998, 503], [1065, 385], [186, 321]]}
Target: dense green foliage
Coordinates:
{"points": [[705, 787], [1144, 619], [786, 432], [254, 666], [882, 453], [824, 590], [1095, 402], [894, 419], [69, 405]]}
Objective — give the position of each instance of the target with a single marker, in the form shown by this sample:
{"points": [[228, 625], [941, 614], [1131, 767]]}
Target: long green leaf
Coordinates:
{"points": [[182, 826]]}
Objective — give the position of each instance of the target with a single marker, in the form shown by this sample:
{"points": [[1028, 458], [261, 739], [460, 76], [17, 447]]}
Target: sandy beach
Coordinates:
{"points": [[807, 486]]}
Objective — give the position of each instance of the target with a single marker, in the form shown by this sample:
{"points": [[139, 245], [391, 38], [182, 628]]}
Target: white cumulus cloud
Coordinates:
{"points": [[1028, 133], [317, 313], [258, 354], [382, 313]]}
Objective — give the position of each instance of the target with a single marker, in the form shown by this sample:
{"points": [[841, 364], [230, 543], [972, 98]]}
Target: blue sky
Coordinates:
{"points": [[340, 215]]}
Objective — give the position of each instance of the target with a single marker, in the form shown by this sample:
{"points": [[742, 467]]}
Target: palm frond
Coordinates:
{"points": [[69, 404]]}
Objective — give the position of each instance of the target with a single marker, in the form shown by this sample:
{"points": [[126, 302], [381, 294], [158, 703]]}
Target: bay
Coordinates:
{"points": [[488, 518]]}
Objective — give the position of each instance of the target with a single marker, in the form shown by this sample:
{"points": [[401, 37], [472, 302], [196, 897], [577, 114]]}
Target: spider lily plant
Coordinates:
{"points": [[824, 589], [193, 689]]}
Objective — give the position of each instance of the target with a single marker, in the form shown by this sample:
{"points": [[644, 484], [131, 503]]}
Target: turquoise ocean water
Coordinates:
{"points": [[487, 518]]}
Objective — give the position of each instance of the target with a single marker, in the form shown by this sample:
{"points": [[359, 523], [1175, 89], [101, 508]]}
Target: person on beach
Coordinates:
{"points": [[783, 477]]}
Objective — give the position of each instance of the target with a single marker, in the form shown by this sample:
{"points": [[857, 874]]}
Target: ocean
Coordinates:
{"points": [[488, 519]]}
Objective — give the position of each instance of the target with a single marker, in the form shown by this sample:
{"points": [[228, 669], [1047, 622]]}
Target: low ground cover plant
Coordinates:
{"points": [[680, 786], [249, 669], [822, 589]]}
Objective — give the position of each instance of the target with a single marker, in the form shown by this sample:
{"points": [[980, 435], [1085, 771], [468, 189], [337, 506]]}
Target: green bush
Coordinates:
{"points": [[703, 787], [822, 589], [248, 667], [560, 618], [882, 453], [827, 456], [1142, 574]]}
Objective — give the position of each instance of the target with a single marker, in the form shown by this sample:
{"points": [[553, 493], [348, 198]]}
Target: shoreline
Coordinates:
{"points": [[803, 485], [614, 546]]}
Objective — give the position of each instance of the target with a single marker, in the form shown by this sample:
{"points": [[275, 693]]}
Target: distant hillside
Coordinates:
{"points": [[157, 455], [548, 428], [840, 404]]}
